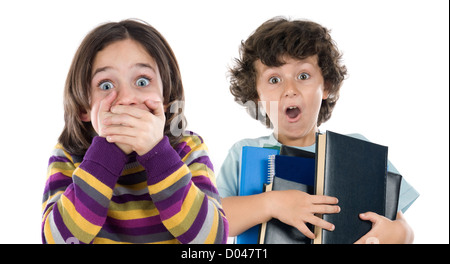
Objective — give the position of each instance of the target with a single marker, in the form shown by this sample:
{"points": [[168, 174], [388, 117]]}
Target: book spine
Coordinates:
{"points": [[320, 173], [267, 188]]}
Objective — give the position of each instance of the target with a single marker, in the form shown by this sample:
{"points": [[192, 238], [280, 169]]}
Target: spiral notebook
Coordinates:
{"points": [[254, 174]]}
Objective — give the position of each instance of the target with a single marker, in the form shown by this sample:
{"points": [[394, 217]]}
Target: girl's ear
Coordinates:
{"points": [[85, 116]]}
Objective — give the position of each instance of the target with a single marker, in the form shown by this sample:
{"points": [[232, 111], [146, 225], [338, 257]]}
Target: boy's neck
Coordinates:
{"points": [[305, 141]]}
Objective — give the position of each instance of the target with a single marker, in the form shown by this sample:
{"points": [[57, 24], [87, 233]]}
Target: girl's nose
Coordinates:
{"points": [[126, 96]]}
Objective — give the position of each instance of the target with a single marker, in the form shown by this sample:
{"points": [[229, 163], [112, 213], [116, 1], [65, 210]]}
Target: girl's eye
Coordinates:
{"points": [[274, 80], [142, 82], [106, 85], [303, 76]]}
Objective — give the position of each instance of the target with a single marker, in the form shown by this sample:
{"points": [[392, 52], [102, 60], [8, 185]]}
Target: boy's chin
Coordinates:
{"points": [[293, 134]]}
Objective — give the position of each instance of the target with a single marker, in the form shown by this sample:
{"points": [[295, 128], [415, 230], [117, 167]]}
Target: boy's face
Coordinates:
{"points": [[125, 67], [292, 95]]}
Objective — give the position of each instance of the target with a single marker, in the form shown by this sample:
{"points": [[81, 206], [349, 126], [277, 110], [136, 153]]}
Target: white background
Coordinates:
{"points": [[397, 92]]}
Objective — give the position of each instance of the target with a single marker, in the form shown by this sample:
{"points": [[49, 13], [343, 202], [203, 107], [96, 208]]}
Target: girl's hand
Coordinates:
{"points": [[135, 127], [297, 208], [104, 112], [386, 231]]}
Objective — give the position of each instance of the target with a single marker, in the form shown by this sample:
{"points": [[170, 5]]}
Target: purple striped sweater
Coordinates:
{"points": [[168, 195]]}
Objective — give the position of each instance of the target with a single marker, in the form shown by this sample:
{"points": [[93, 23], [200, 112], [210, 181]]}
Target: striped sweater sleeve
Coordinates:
{"points": [[182, 185], [77, 195]]}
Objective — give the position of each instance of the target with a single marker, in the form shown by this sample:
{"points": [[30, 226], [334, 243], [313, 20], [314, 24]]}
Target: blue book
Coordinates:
{"points": [[296, 169], [254, 174]]}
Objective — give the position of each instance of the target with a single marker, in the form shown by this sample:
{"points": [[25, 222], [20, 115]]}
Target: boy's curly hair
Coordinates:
{"points": [[298, 39]]}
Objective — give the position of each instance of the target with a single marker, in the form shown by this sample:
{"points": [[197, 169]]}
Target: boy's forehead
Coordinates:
{"points": [[286, 59]]}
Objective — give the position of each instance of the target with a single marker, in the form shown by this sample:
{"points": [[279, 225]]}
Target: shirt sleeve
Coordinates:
{"points": [[77, 195], [229, 174], [181, 183]]}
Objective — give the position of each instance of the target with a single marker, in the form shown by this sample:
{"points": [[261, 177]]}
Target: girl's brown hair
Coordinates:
{"points": [[298, 39], [77, 135]]}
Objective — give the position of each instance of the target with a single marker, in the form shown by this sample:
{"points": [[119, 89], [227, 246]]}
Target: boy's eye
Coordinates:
{"points": [[274, 80], [106, 85], [142, 82], [303, 76]]}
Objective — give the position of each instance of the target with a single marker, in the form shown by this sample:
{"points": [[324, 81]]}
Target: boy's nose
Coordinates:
{"points": [[290, 90]]}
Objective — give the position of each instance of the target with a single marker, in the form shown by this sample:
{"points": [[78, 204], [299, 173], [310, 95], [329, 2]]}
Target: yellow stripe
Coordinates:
{"points": [[202, 170], [132, 214], [53, 170], [102, 240], [59, 146], [185, 208], [47, 230], [44, 204], [174, 177], [77, 218], [194, 148], [94, 182], [213, 232]]}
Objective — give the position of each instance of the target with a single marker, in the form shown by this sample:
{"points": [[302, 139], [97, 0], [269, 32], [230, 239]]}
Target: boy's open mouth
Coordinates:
{"points": [[293, 112]]}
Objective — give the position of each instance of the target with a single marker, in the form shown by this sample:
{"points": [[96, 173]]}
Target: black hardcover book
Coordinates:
{"points": [[393, 183], [354, 171], [356, 159], [278, 232], [290, 173]]}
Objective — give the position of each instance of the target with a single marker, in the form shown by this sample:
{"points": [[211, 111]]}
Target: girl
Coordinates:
{"points": [[124, 170]]}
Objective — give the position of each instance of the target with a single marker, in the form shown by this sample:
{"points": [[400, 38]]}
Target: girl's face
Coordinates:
{"points": [[292, 95], [125, 67]]}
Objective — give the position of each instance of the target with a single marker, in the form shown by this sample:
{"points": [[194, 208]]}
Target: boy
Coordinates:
{"points": [[293, 71]]}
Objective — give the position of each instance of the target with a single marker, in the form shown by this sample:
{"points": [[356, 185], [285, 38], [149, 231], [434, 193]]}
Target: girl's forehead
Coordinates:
{"points": [[123, 54]]}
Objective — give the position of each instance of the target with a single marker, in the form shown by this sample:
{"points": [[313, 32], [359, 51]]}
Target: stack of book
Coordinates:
{"points": [[351, 169]]}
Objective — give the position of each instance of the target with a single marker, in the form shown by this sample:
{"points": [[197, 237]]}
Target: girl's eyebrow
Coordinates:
{"points": [[144, 65], [137, 65], [102, 69]]}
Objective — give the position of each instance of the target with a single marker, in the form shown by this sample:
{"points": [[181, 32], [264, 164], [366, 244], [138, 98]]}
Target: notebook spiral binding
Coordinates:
{"points": [[271, 169]]}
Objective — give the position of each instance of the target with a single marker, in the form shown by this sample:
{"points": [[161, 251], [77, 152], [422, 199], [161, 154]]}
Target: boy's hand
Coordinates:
{"points": [[135, 127], [386, 231], [297, 208]]}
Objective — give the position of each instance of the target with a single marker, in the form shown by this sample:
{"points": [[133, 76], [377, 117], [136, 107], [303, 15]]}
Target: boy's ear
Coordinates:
{"points": [[85, 116], [325, 91], [325, 95]]}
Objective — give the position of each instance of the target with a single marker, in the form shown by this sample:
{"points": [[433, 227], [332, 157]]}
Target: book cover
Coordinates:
{"points": [[277, 232], [393, 184], [354, 171], [254, 174], [393, 180], [290, 173]]}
